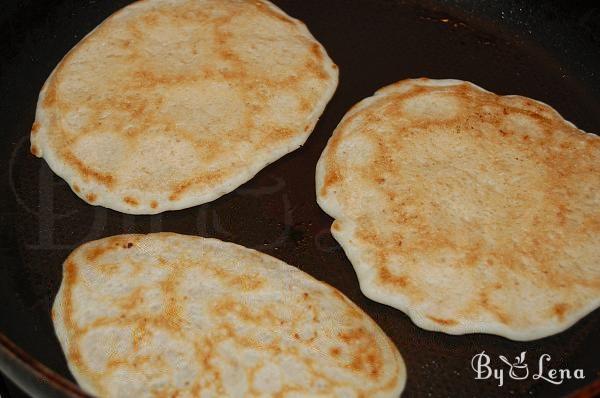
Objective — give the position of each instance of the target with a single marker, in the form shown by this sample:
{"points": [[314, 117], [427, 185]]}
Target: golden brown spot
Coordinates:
{"points": [[373, 364], [473, 255], [494, 309], [109, 269], [76, 188], [221, 38], [280, 133], [75, 356], [369, 236], [202, 179], [50, 98], [87, 172], [154, 204], [246, 282], [441, 321], [316, 50], [560, 309], [150, 79], [35, 128], [140, 334], [353, 335], [330, 179], [388, 278], [150, 19], [70, 280], [357, 363], [229, 306], [34, 150], [317, 70], [365, 355], [91, 197], [335, 351], [132, 300], [228, 55], [305, 106], [131, 201], [97, 251], [115, 363], [336, 226]]}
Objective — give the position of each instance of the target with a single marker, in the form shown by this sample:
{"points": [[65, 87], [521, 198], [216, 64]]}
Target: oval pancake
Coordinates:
{"points": [[469, 211], [172, 103], [166, 315]]}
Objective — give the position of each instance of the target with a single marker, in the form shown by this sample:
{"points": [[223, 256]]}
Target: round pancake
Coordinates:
{"points": [[469, 211], [172, 103], [173, 315]]}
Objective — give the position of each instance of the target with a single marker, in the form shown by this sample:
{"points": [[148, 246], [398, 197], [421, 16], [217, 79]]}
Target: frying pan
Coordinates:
{"points": [[549, 51]]}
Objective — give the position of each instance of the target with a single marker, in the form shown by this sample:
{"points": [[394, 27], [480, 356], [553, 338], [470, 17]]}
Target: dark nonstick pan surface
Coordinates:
{"points": [[549, 51]]}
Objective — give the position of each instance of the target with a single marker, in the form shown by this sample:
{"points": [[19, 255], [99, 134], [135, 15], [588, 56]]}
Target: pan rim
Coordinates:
{"points": [[13, 358], [16, 357]]}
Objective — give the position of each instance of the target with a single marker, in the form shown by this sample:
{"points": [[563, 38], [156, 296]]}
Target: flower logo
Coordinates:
{"points": [[518, 369]]}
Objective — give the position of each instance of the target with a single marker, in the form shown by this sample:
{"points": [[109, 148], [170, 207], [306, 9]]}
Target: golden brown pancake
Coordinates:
{"points": [[172, 103], [165, 315], [469, 211]]}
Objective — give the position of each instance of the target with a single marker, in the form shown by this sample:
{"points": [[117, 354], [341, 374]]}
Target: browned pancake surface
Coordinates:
{"points": [[170, 104], [165, 315], [470, 211]]}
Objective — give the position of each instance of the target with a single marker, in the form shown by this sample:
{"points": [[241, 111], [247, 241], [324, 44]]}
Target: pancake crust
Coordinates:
{"points": [[166, 315], [172, 103], [469, 211]]}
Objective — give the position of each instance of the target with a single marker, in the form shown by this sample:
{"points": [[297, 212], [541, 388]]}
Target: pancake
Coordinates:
{"points": [[470, 212], [166, 315], [172, 103]]}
